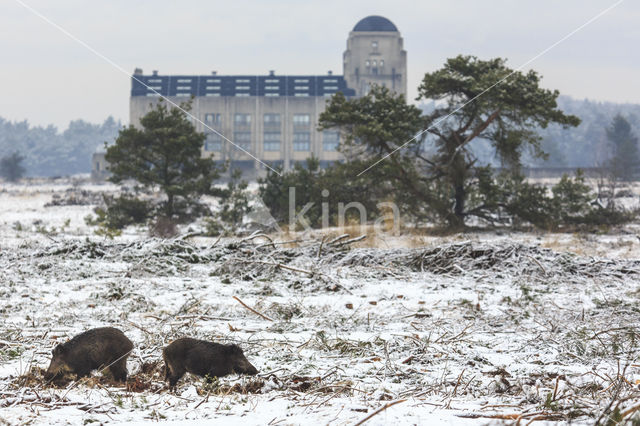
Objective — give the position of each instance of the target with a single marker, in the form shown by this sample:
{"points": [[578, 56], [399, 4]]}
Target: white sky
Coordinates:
{"points": [[46, 77]]}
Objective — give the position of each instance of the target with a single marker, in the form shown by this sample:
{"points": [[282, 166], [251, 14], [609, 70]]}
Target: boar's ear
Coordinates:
{"points": [[58, 350], [235, 350]]}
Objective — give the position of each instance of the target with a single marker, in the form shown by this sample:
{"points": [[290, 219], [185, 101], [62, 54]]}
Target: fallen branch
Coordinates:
{"points": [[379, 410], [544, 271], [352, 240], [338, 238], [252, 310], [278, 265], [629, 411], [258, 234], [204, 317]]}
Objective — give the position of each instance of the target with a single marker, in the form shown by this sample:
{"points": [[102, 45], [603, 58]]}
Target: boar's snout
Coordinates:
{"points": [[245, 367], [241, 364], [58, 366], [250, 369]]}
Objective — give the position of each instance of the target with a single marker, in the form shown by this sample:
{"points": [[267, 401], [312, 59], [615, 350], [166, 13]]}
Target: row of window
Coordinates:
{"points": [[244, 80], [270, 119], [374, 63], [242, 84], [272, 141], [268, 94]]}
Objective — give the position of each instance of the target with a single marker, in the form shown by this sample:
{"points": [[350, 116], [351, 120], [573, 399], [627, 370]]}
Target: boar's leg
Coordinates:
{"points": [[82, 372], [119, 370]]}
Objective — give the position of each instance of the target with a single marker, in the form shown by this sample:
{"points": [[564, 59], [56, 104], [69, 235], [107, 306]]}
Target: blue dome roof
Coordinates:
{"points": [[375, 23]]}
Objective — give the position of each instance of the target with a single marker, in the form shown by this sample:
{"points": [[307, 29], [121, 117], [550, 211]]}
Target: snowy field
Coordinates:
{"points": [[466, 329]]}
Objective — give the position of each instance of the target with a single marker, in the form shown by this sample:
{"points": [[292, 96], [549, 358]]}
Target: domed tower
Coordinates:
{"points": [[375, 55]]}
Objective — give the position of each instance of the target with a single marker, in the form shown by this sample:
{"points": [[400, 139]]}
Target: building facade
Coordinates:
{"points": [[275, 117]]}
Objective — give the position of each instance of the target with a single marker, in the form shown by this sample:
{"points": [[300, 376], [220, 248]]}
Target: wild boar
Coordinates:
{"points": [[91, 350], [203, 359]]}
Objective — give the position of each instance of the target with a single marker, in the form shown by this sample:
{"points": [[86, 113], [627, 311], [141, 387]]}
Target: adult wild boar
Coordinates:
{"points": [[94, 349], [203, 359]]}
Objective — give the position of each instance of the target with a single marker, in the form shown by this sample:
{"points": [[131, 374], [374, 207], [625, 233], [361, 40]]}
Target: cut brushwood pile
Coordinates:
{"points": [[251, 259]]}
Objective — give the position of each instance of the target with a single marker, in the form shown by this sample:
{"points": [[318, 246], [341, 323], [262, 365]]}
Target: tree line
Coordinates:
{"points": [[47, 151]]}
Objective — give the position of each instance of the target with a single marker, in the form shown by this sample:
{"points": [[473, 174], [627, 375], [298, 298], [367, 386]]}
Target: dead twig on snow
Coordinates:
{"points": [[252, 310]]}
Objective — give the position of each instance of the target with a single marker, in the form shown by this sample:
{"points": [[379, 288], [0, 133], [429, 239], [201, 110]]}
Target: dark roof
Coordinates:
{"points": [[375, 23], [238, 85]]}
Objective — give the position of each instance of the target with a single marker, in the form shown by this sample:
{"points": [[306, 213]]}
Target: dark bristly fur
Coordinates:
{"points": [[91, 350], [203, 359]]}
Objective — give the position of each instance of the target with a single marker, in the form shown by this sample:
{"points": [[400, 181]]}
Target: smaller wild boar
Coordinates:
{"points": [[203, 359], [91, 350]]}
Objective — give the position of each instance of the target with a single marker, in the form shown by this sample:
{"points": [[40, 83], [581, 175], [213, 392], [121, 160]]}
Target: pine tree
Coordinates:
{"points": [[476, 99], [11, 167], [625, 161], [165, 153]]}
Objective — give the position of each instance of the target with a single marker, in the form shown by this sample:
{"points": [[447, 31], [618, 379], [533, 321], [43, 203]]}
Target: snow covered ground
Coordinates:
{"points": [[464, 329]]}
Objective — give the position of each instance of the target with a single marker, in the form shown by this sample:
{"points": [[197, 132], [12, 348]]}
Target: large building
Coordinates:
{"points": [[275, 117]]}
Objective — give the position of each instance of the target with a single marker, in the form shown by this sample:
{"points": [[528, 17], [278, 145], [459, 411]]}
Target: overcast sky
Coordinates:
{"points": [[46, 77]]}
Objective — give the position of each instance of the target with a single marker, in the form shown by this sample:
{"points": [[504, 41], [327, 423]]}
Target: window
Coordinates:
{"points": [[242, 94], [301, 88], [301, 80], [272, 141], [242, 120], [381, 62], [242, 80], [212, 94], [154, 80], [184, 87], [374, 45], [213, 118], [184, 80], [272, 94], [213, 87], [154, 87], [367, 63], [271, 87], [301, 120], [183, 95], [330, 140], [272, 119], [242, 87], [272, 80], [213, 80], [242, 139], [213, 142], [301, 141], [332, 80], [330, 87], [301, 94]]}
